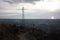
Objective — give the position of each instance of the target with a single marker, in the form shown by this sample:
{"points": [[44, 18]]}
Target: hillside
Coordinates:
{"points": [[12, 32]]}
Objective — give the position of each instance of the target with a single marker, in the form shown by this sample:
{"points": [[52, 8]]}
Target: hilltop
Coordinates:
{"points": [[12, 32]]}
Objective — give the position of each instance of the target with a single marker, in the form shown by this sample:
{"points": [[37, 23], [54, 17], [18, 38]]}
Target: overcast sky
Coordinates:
{"points": [[34, 9]]}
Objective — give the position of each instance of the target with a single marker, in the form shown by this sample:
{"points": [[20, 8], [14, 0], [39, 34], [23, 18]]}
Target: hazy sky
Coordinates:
{"points": [[34, 9]]}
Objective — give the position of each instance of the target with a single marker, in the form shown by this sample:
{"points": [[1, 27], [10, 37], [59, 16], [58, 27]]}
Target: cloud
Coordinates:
{"points": [[19, 1], [43, 15], [8, 9], [57, 14]]}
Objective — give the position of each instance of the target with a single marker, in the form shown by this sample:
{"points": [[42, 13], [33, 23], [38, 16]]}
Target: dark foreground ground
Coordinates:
{"points": [[13, 32]]}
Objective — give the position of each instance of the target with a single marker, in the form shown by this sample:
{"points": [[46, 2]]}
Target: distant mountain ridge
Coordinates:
{"points": [[44, 24]]}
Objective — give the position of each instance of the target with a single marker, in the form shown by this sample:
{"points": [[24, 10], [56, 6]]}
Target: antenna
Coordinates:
{"points": [[23, 21], [23, 8]]}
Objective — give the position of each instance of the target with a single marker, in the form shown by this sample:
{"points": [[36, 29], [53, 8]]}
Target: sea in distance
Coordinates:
{"points": [[47, 25]]}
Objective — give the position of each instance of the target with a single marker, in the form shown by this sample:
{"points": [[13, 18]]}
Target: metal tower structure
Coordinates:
{"points": [[23, 21]]}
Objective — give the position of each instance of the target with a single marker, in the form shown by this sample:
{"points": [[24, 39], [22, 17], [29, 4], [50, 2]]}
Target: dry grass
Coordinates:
{"points": [[12, 32]]}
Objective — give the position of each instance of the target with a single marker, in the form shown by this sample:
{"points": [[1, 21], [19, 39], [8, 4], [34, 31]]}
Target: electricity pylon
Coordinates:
{"points": [[23, 21]]}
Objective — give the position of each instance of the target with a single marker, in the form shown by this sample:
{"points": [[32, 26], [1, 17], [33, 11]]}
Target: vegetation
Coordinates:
{"points": [[14, 32]]}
